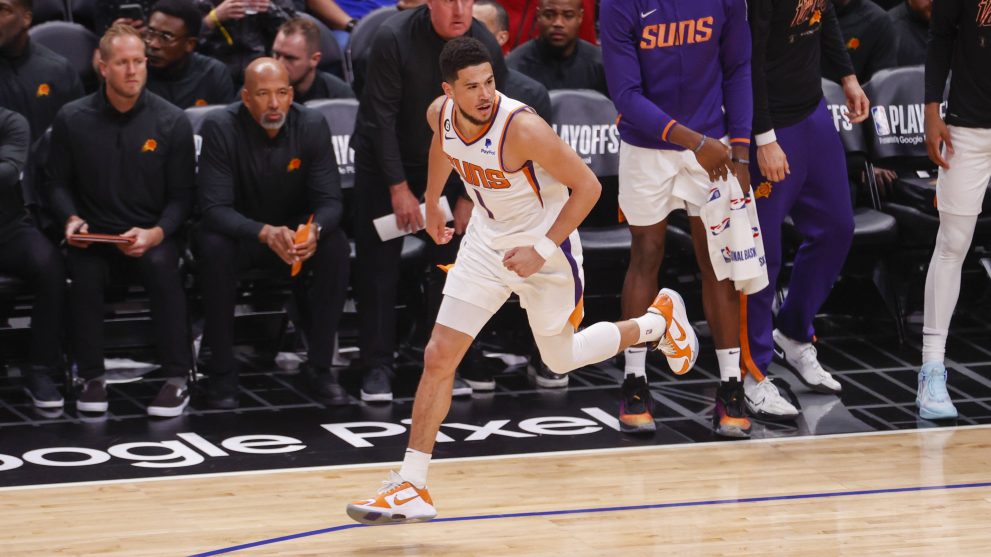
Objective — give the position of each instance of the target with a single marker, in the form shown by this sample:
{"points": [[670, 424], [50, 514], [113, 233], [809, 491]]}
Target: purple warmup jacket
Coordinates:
{"points": [[678, 61]]}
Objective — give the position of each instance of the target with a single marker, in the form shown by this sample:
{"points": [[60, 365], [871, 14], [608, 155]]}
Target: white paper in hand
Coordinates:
{"points": [[388, 229]]}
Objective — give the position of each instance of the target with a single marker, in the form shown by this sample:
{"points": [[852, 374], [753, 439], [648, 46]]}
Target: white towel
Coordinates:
{"points": [[736, 247]]}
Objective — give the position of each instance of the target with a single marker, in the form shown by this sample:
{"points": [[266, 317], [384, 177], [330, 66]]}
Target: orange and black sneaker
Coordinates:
{"points": [[398, 501], [729, 418], [678, 343], [635, 412]]}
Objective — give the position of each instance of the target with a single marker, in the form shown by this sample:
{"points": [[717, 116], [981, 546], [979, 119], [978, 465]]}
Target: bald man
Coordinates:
{"points": [[266, 166]]}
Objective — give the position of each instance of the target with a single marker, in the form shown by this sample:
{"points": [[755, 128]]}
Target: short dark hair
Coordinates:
{"points": [[185, 10], [502, 18], [26, 4], [305, 27], [459, 54]]}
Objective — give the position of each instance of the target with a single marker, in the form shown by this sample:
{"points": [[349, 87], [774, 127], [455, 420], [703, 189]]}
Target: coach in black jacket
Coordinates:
{"points": [[265, 167]]}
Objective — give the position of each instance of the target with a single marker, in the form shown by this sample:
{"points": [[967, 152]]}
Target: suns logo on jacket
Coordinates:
{"points": [[677, 33], [294, 164], [808, 11], [984, 13], [149, 146], [43, 90]]}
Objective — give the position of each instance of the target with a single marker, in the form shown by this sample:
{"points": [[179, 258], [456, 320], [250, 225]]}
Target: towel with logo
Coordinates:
{"points": [[736, 248]]}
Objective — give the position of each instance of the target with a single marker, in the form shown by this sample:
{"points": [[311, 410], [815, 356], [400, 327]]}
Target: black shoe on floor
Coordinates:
{"points": [[545, 377], [475, 371], [93, 397], [636, 406], [325, 386], [729, 417], [376, 384], [461, 387], [42, 390], [222, 392], [172, 399]]}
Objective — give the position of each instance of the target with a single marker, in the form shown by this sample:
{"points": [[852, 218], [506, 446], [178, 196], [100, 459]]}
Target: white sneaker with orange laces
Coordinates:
{"points": [[398, 501], [678, 343]]}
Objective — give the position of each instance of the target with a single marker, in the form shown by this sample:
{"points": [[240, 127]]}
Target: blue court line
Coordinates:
{"points": [[609, 509]]}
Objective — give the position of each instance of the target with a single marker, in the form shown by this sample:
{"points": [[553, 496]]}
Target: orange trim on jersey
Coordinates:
{"points": [[747, 364], [740, 140], [621, 218], [483, 131], [502, 137], [578, 314], [618, 118], [667, 128], [527, 171], [440, 117]]}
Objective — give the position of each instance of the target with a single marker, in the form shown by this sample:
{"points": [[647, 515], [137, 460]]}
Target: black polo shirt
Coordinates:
{"points": [[325, 86], [14, 140], [199, 80], [37, 84], [120, 170], [247, 180], [544, 63]]}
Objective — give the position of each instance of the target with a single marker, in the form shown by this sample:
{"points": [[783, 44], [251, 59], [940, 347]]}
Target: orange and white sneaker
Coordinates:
{"points": [[678, 343], [398, 501]]}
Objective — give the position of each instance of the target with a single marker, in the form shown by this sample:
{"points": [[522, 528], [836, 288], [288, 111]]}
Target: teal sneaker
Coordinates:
{"points": [[933, 401]]}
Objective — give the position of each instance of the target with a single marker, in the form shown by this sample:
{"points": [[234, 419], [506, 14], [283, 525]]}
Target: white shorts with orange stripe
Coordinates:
{"points": [[552, 297], [648, 179]]}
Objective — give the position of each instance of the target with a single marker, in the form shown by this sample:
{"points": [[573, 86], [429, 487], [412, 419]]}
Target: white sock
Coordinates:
{"points": [[943, 282], [636, 361], [933, 345], [414, 468], [652, 326], [729, 363]]}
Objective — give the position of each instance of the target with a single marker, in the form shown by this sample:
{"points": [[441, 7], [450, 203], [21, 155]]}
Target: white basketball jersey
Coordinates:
{"points": [[513, 207]]}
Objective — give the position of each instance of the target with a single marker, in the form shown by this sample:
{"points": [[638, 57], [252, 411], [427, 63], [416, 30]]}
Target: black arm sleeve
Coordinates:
{"points": [[833, 46], [60, 173], [384, 90], [939, 54], [215, 181], [323, 182], [15, 136], [759, 14], [180, 175]]}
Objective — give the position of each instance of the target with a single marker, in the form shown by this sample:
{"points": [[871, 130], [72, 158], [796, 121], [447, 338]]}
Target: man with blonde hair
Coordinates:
{"points": [[122, 164]]}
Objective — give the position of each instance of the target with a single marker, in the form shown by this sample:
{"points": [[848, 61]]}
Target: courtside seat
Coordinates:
{"points": [[72, 41], [48, 10]]}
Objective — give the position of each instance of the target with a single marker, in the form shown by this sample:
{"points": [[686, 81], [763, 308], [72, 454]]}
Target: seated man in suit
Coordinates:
{"points": [[266, 166]]}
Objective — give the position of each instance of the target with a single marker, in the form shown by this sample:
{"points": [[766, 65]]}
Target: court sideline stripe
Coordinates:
{"points": [[611, 509], [546, 454]]}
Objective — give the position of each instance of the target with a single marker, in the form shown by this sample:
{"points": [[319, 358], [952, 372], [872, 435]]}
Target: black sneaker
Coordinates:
{"points": [[636, 406], [170, 402], [461, 387], [376, 384], [222, 392], [42, 390], [729, 417], [325, 386], [93, 397], [545, 377], [475, 371]]}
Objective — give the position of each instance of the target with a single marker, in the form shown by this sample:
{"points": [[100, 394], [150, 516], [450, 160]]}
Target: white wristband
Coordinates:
{"points": [[545, 247], [765, 138]]}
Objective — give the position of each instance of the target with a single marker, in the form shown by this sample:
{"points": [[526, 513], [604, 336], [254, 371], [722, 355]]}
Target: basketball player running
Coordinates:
{"points": [[959, 40], [521, 239], [671, 68]]}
